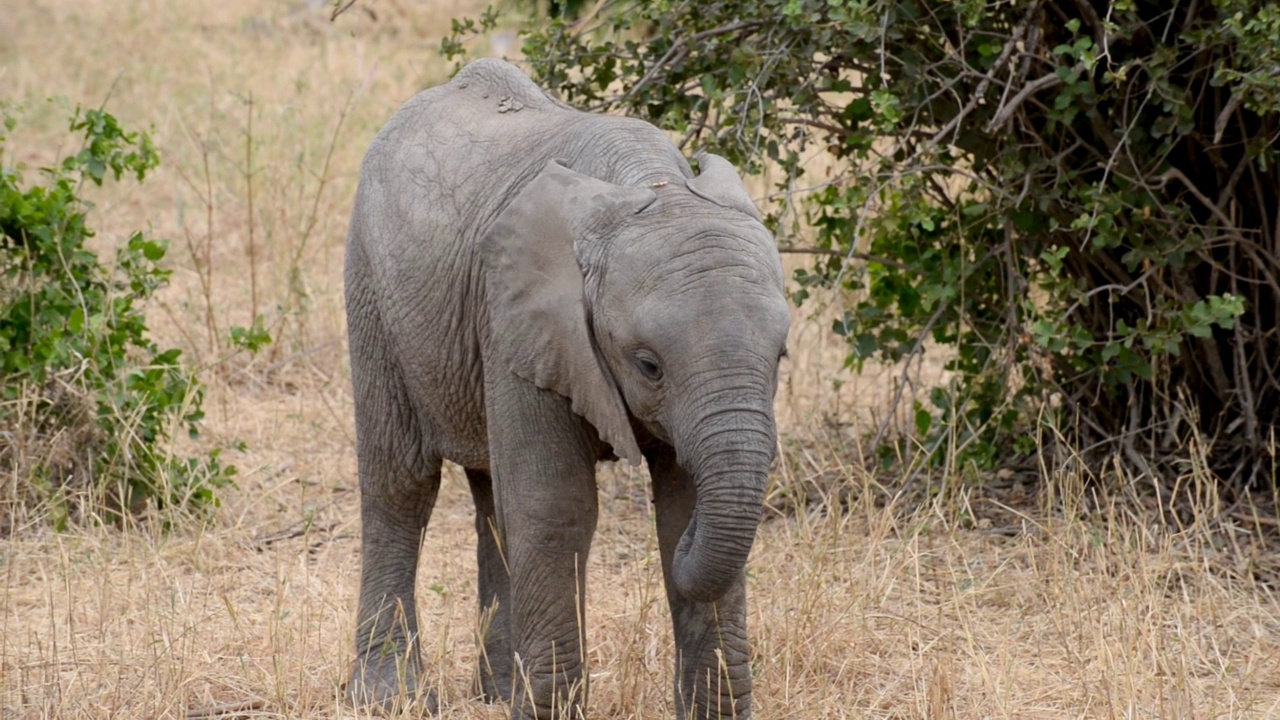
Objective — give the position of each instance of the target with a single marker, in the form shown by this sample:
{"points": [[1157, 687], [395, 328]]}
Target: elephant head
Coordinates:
{"points": [[663, 306]]}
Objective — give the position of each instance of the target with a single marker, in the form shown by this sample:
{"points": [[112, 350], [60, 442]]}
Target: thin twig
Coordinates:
{"points": [[904, 378], [248, 180], [855, 255], [227, 711], [833, 129], [339, 9], [1245, 402], [696, 128], [297, 356]]}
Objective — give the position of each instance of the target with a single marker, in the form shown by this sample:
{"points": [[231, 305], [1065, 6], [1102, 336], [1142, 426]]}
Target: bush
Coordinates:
{"points": [[89, 401], [1075, 199]]}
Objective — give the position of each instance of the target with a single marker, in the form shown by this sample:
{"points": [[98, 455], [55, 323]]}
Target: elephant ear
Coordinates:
{"points": [[718, 182], [538, 316]]}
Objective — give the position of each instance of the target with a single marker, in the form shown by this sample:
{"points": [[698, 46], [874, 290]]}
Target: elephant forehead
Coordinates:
{"points": [[704, 262], [734, 312], [699, 236]]}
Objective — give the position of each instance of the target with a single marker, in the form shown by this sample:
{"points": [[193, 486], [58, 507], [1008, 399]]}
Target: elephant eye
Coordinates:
{"points": [[649, 368]]}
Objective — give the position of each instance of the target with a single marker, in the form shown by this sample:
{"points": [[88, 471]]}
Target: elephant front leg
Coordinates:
{"points": [[543, 464], [549, 535], [494, 677], [713, 670]]}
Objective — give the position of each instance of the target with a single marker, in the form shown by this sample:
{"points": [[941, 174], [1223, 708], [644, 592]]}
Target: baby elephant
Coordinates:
{"points": [[530, 290]]}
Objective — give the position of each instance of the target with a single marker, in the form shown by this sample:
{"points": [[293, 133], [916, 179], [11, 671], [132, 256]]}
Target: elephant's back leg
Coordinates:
{"points": [[399, 482], [494, 679]]}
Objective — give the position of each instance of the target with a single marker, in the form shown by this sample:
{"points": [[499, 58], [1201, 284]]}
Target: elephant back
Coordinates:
{"points": [[500, 87]]}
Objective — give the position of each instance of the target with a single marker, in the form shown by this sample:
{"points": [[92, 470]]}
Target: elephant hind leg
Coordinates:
{"points": [[388, 666], [399, 482], [494, 676]]}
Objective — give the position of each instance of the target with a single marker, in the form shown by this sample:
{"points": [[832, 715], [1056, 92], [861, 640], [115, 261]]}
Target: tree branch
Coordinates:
{"points": [[678, 49], [987, 79], [1175, 174], [1031, 88]]}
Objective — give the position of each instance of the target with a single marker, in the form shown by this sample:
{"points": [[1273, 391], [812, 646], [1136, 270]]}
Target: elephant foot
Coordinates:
{"points": [[391, 687]]}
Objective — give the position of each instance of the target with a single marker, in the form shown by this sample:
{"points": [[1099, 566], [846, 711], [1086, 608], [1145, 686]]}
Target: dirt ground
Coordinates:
{"points": [[261, 110]]}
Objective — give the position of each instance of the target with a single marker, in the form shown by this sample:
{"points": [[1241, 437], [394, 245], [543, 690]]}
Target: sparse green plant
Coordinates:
{"points": [[90, 403]]}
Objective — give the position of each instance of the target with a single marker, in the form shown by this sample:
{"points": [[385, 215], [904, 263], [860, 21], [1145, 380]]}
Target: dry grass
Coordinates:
{"points": [[934, 612]]}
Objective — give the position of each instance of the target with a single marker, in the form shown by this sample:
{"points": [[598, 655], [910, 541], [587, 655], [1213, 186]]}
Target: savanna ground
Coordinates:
{"points": [[1032, 604]]}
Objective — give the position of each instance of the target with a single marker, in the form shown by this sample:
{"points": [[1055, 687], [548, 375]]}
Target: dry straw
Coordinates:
{"points": [[1008, 604]]}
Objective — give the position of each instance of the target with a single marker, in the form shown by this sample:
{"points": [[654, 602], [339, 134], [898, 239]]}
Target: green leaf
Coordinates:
{"points": [[75, 321], [252, 338], [923, 420]]}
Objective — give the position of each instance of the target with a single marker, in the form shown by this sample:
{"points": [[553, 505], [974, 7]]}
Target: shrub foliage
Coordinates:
{"points": [[88, 402], [1078, 198]]}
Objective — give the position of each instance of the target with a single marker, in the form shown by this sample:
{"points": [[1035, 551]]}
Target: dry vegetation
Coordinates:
{"points": [[963, 607]]}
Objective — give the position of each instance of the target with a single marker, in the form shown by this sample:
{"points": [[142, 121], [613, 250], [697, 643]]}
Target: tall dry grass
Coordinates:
{"points": [[1069, 604]]}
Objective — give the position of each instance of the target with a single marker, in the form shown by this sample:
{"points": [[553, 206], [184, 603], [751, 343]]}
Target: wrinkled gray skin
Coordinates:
{"points": [[532, 289]]}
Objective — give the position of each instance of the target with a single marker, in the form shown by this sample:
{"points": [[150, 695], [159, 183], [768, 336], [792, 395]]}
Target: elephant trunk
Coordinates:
{"points": [[728, 451]]}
